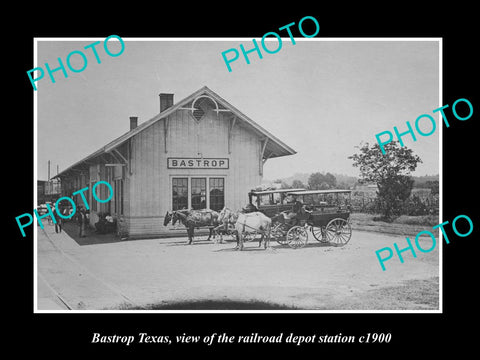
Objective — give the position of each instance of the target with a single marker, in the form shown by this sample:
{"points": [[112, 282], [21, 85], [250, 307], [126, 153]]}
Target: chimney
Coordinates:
{"points": [[166, 101], [133, 122]]}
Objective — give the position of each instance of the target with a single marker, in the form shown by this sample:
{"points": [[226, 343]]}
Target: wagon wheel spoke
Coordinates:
{"points": [[338, 232], [231, 233], [339, 238], [278, 233], [319, 234], [297, 237], [232, 236], [247, 237]]}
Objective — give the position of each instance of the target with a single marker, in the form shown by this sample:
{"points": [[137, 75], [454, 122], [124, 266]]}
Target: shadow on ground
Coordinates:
{"points": [[91, 238], [214, 305]]}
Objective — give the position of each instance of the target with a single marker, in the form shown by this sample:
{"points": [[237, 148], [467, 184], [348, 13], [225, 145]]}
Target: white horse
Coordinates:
{"points": [[250, 223], [254, 222]]}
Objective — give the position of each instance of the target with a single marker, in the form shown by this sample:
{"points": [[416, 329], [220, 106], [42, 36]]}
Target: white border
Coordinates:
{"points": [[35, 189], [386, 39]]}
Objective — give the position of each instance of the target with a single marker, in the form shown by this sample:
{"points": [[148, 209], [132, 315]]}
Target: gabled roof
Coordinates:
{"points": [[273, 147]]}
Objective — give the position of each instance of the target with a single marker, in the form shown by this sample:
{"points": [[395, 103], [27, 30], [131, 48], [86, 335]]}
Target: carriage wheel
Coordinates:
{"points": [[338, 232], [229, 236], [231, 233], [297, 237], [278, 233], [248, 236], [318, 234]]}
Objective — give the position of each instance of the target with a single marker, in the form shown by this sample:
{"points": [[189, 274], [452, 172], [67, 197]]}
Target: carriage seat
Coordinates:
{"points": [[296, 218], [249, 208]]}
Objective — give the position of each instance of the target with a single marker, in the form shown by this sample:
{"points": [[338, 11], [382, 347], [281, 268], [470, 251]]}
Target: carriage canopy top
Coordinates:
{"points": [[312, 192], [273, 191]]}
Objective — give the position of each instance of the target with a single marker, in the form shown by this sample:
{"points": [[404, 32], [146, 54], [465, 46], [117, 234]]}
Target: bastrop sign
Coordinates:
{"points": [[197, 163]]}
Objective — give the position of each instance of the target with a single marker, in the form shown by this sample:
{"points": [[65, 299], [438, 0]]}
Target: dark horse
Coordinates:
{"points": [[193, 219]]}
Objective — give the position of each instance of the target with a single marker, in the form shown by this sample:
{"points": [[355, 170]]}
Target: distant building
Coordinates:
{"points": [[48, 191], [53, 188], [40, 192]]}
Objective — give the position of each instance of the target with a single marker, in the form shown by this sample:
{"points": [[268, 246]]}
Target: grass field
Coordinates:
{"points": [[411, 295], [403, 225]]}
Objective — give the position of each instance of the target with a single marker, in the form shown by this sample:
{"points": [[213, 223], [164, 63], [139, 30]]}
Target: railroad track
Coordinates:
{"points": [[55, 293], [126, 300]]}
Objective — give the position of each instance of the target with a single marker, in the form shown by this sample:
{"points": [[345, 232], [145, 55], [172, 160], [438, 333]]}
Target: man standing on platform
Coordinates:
{"points": [[82, 220]]}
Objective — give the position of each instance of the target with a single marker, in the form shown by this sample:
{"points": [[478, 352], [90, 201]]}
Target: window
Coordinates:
{"points": [[277, 198], [265, 199], [199, 192], [308, 199], [217, 194], [180, 193]]}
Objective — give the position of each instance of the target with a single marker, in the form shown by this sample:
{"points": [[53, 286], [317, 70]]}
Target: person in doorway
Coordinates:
{"points": [[82, 221]]}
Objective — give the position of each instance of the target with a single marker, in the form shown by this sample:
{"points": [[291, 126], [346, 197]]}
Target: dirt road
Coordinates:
{"points": [[164, 271]]}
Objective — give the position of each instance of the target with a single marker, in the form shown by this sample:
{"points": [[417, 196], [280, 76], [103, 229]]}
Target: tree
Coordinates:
{"points": [[318, 181], [390, 171], [343, 185], [331, 180], [297, 184], [433, 186], [284, 185]]}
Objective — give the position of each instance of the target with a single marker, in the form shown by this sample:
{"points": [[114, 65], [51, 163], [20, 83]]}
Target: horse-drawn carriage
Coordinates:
{"points": [[284, 215], [271, 202], [254, 221], [325, 213]]}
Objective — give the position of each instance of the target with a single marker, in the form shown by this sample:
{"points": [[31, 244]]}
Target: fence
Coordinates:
{"points": [[420, 202]]}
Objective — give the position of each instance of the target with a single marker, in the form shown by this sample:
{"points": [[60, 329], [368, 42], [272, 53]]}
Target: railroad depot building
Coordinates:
{"points": [[200, 152]]}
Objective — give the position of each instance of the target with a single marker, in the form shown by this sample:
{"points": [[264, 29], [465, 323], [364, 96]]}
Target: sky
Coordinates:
{"points": [[322, 97]]}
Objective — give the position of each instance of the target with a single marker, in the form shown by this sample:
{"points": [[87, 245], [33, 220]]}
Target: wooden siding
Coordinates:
{"points": [[149, 184], [99, 172]]}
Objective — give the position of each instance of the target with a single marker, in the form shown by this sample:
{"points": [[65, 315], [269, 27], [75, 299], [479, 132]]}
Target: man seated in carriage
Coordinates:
{"points": [[293, 215], [249, 208]]}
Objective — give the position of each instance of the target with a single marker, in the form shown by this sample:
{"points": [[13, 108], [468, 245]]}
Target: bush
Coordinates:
{"points": [[431, 220], [414, 206]]}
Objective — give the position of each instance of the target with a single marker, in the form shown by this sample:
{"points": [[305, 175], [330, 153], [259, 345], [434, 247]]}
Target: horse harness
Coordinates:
{"points": [[245, 222], [193, 219]]}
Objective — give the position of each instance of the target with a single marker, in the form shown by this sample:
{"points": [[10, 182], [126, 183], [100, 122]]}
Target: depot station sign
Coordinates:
{"points": [[197, 163]]}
